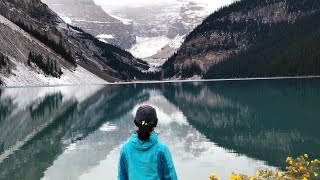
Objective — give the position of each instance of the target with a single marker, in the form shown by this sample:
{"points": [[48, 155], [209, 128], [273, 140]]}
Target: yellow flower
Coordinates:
{"points": [[288, 159], [301, 168], [298, 168], [237, 178], [258, 173], [290, 162]]}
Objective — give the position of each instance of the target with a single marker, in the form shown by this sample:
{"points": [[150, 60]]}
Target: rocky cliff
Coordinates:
{"points": [[91, 18]]}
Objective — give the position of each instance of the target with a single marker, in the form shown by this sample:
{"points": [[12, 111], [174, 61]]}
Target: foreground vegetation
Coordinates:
{"points": [[299, 168]]}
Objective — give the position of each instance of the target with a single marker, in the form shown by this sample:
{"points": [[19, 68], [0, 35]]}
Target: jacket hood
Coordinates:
{"points": [[143, 145]]}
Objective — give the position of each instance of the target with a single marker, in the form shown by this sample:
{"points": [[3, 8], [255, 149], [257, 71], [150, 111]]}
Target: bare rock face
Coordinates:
{"points": [[91, 18], [26, 11]]}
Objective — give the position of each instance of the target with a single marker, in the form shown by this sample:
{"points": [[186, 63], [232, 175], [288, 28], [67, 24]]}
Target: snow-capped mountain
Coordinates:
{"points": [[161, 25], [162, 17], [151, 30]]}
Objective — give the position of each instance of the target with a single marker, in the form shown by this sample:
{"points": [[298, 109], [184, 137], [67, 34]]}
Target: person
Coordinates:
{"points": [[143, 157]]}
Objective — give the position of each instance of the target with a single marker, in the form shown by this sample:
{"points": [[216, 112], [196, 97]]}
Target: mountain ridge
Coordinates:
{"points": [[17, 44], [231, 30], [71, 43], [94, 20]]}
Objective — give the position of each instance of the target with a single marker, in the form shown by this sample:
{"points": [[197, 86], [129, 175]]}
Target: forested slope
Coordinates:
{"points": [[287, 50], [235, 29]]}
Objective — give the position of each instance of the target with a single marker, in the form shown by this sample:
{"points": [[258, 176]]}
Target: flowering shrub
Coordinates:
{"points": [[299, 168]]}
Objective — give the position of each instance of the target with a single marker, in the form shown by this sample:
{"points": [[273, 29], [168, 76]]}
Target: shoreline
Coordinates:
{"points": [[165, 81]]}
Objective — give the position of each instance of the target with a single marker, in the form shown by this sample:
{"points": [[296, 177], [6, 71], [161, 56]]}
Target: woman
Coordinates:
{"points": [[143, 157]]}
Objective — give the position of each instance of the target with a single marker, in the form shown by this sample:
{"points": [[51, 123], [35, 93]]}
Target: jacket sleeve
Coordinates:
{"points": [[167, 166], [122, 166]]}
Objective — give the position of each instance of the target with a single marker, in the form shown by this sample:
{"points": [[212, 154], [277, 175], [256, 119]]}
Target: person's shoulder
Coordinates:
{"points": [[125, 146], [162, 147]]}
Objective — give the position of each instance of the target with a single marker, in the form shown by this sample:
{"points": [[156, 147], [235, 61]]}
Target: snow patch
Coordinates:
{"points": [[211, 5], [24, 76], [177, 41], [107, 127], [123, 20], [195, 77], [146, 47], [174, 44], [105, 36], [66, 19], [102, 40], [71, 147]]}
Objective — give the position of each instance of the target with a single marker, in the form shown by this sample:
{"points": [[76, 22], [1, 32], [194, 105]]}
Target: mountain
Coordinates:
{"points": [[15, 47], [160, 26], [94, 20], [288, 50], [45, 39], [245, 26]]}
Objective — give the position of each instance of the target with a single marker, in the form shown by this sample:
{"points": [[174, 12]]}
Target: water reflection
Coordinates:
{"points": [[266, 120], [76, 133]]}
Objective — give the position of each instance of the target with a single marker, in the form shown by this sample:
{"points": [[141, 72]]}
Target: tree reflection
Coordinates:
{"points": [[62, 120], [266, 120]]}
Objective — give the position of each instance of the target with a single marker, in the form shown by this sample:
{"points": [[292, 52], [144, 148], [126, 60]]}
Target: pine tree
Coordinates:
{"points": [[4, 60], [55, 66], [49, 67], [29, 59]]}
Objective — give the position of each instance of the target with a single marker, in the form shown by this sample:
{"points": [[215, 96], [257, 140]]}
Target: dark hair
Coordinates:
{"points": [[146, 119], [144, 132]]}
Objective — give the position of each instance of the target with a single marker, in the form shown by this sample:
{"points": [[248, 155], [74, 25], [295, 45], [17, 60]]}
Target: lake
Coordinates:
{"points": [[76, 132]]}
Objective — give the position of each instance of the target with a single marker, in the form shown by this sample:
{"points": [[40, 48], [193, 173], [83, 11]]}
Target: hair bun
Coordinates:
{"points": [[146, 119]]}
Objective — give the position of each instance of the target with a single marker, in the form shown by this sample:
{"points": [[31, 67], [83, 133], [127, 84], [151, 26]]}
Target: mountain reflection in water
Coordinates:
{"points": [[234, 126]]}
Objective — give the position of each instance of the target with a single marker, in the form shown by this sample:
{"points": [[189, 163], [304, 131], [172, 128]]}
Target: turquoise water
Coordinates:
{"points": [[75, 132]]}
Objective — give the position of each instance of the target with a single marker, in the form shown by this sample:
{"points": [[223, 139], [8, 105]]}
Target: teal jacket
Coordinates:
{"points": [[145, 160]]}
